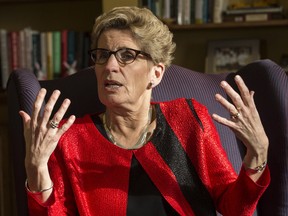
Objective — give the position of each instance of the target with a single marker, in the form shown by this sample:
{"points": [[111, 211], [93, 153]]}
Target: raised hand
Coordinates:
{"points": [[245, 122], [41, 137]]}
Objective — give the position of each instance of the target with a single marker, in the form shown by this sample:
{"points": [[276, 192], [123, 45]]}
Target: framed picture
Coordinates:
{"points": [[230, 55]]}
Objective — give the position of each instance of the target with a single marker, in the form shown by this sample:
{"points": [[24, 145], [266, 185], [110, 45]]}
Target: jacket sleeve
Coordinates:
{"points": [[61, 202], [233, 194]]}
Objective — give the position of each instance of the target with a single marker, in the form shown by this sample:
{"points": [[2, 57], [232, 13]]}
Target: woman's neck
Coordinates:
{"points": [[128, 131]]}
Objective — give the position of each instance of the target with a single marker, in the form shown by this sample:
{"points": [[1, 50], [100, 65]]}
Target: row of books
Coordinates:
{"points": [[49, 55], [253, 14], [211, 11], [185, 12]]}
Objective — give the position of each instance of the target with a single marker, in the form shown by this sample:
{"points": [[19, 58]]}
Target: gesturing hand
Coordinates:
{"points": [[245, 121], [42, 134]]}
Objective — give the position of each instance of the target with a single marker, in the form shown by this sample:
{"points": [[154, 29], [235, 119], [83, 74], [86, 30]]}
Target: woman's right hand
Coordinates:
{"points": [[41, 138]]}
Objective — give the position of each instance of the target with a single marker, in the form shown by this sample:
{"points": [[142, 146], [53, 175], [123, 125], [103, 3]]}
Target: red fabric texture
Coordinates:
{"points": [[91, 175]]}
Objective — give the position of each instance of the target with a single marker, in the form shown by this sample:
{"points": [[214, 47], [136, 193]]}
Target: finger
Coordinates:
{"points": [[235, 97], [49, 107], [224, 121], [37, 106], [226, 104], [244, 91], [60, 113], [65, 127]]}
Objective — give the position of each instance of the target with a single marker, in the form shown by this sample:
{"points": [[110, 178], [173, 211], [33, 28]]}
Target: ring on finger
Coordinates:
{"points": [[53, 124], [235, 116]]}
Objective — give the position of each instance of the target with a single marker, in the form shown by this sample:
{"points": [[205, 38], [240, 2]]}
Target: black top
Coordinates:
{"points": [[143, 197]]}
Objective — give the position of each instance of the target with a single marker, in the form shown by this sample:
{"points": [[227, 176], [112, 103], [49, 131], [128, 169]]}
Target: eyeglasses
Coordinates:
{"points": [[124, 56]]}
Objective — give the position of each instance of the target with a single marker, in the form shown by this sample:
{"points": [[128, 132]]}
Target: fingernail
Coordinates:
{"points": [[237, 77], [223, 83]]}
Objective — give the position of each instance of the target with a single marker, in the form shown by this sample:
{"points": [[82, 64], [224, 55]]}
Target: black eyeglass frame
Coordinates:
{"points": [[137, 52]]}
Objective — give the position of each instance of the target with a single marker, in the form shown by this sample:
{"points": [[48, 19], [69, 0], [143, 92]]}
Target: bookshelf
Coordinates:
{"points": [[42, 15], [191, 41]]}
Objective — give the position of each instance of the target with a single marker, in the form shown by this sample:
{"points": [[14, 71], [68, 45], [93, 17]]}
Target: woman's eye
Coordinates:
{"points": [[127, 55], [103, 55]]}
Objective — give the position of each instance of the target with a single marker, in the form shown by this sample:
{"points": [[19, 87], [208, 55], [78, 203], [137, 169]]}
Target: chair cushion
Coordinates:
{"points": [[26, 88], [182, 82]]}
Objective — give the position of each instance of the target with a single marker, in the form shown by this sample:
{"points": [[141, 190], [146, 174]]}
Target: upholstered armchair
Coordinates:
{"points": [[264, 77]]}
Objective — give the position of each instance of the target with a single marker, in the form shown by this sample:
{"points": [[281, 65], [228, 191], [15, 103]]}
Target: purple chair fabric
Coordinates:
{"points": [[265, 77]]}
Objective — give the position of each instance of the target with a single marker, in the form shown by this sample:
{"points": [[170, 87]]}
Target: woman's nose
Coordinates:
{"points": [[112, 60]]}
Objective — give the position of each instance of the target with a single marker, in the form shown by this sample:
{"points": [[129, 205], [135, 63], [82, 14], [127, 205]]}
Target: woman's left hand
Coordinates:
{"points": [[245, 122]]}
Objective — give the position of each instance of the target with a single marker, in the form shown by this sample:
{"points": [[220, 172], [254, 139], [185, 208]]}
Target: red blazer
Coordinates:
{"points": [[184, 159]]}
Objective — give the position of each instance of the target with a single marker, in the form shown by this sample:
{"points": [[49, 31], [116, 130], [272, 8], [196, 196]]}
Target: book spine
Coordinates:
{"points": [[180, 12], [199, 11], [64, 52], [49, 55], [251, 17], [14, 45], [217, 11], [71, 47], [22, 60], [187, 12], [210, 9], [167, 9], [192, 12], [36, 54], [56, 54], [28, 48], [43, 69], [205, 11], [71, 63]]}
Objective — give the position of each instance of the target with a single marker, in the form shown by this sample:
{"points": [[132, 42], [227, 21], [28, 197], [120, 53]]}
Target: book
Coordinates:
{"points": [[217, 11], [199, 5], [64, 51], [180, 12], [210, 9], [254, 10], [28, 48], [251, 17], [22, 59], [71, 63], [71, 41], [36, 54], [56, 53], [42, 73], [166, 9], [49, 44], [192, 11], [14, 48], [186, 12]]}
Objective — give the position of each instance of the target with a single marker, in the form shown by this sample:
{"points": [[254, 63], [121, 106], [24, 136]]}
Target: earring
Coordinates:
{"points": [[150, 85]]}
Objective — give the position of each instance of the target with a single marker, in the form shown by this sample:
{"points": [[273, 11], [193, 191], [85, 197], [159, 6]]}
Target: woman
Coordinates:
{"points": [[138, 157]]}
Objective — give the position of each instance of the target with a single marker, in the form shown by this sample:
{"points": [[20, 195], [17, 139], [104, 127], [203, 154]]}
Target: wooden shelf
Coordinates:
{"points": [[230, 25], [27, 1]]}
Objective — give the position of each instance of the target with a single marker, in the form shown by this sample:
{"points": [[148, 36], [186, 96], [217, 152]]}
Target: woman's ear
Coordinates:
{"points": [[157, 74]]}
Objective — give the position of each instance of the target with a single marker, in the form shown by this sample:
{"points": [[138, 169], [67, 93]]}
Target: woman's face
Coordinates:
{"points": [[123, 85]]}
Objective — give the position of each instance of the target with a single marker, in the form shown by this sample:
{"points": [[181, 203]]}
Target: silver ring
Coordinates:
{"points": [[54, 124], [235, 116]]}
